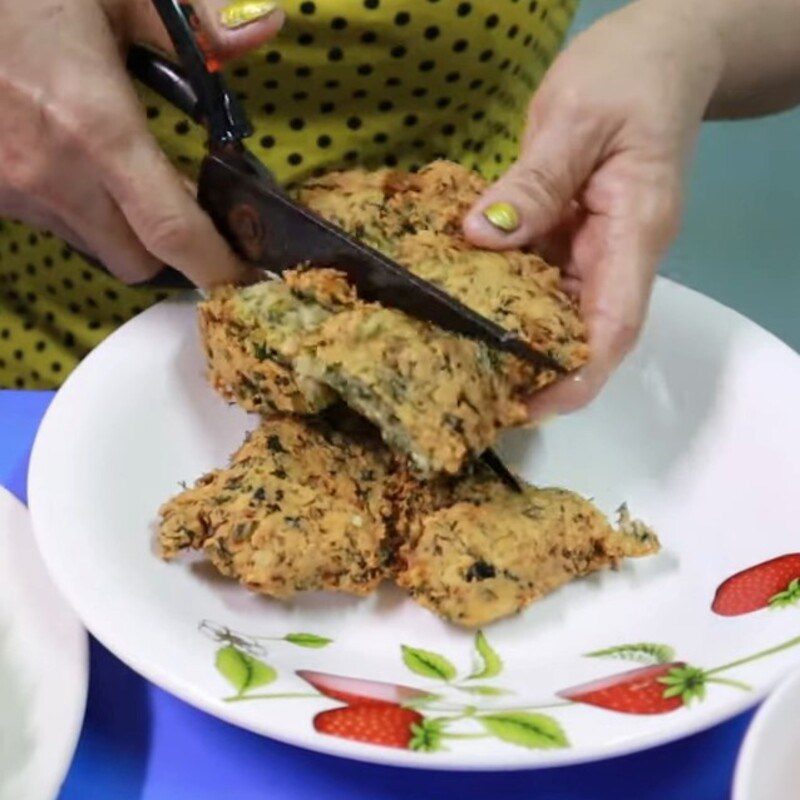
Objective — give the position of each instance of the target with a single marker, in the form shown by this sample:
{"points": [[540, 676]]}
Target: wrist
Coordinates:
{"points": [[690, 30]]}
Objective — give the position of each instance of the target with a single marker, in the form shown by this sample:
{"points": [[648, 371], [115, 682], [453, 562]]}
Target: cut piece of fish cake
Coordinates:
{"points": [[416, 219], [296, 346], [439, 398], [250, 336], [302, 506], [486, 552]]}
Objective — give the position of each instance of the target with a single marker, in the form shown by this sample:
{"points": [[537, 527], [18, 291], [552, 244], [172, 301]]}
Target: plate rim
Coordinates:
{"points": [[356, 751], [746, 760], [70, 734]]}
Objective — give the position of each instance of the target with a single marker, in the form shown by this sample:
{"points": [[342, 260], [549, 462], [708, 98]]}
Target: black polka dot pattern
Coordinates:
{"points": [[353, 83]]}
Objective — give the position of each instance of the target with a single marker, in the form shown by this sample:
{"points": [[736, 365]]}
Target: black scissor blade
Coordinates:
{"points": [[271, 230], [497, 465]]}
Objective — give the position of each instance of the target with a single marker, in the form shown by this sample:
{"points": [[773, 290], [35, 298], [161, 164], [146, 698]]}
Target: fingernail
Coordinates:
{"points": [[243, 12], [503, 216]]}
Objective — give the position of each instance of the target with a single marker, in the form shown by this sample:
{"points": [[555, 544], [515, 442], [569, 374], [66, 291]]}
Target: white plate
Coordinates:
{"points": [[699, 432], [769, 763], [44, 667]]}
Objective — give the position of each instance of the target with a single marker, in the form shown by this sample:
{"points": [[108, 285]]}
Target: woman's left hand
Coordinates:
{"points": [[598, 186]]}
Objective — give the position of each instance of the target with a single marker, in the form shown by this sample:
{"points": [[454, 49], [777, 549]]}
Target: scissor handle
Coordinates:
{"points": [[166, 79], [215, 104]]}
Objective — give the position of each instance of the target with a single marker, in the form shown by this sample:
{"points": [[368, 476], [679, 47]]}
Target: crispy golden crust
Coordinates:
{"points": [[436, 397], [486, 552], [302, 506], [293, 346], [250, 337], [416, 219], [321, 504], [515, 290]]}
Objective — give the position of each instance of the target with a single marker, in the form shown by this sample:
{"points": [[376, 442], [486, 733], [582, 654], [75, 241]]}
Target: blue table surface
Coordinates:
{"points": [[140, 743]]}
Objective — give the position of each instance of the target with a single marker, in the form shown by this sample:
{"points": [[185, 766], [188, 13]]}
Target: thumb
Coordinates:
{"points": [[232, 27], [558, 155]]}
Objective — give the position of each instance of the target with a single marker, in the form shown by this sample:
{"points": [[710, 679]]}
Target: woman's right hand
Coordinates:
{"points": [[76, 157]]}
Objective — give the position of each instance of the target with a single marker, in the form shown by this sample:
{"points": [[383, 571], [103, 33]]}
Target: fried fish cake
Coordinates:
{"points": [[485, 552], [438, 398], [303, 505], [295, 346], [416, 219], [250, 336], [321, 503]]}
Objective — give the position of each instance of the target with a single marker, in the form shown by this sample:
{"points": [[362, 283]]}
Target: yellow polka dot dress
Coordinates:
{"points": [[349, 82]]}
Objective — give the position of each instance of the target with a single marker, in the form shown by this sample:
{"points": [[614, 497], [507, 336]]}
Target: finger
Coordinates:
{"points": [[232, 29], [77, 199], [560, 149], [121, 155], [243, 25], [166, 219], [555, 246], [616, 283], [579, 389], [108, 236]]}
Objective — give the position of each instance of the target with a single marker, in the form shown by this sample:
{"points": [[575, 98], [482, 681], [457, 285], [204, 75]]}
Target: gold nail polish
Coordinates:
{"points": [[242, 12], [503, 216]]}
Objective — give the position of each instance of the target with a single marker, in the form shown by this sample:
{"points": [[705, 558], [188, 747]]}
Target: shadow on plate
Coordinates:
{"points": [[320, 604], [645, 421]]}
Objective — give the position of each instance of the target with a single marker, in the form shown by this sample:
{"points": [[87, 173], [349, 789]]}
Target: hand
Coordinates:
{"points": [[598, 185], [76, 157]]}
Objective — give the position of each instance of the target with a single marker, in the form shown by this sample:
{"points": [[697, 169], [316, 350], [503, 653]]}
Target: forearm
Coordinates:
{"points": [[758, 46]]}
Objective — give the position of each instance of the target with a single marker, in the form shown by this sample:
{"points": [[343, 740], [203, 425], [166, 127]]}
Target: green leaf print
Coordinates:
{"points": [[534, 731], [490, 662], [484, 691], [641, 652], [242, 671], [428, 664], [307, 640]]}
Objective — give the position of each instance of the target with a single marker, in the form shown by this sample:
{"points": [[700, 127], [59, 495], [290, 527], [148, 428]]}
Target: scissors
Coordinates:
{"points": [[264, 225], [261, 222]]}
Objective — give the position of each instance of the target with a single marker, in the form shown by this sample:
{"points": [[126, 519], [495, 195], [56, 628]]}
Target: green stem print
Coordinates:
{"points": [[519, 724], [756, 656], [236, 698], [257, 645]]}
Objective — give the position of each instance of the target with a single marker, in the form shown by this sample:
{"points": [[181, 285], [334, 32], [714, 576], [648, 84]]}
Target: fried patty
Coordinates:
{"points": [[303, 505], [487, 552], [294, 347], [250, 337], [415, 218], [439, 398], [322, 504]]}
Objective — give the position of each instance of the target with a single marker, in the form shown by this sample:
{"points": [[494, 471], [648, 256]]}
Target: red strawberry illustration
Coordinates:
{"points": [[385, 724], [359, 692], [655, 689], [659, 688], [774, 583]]}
